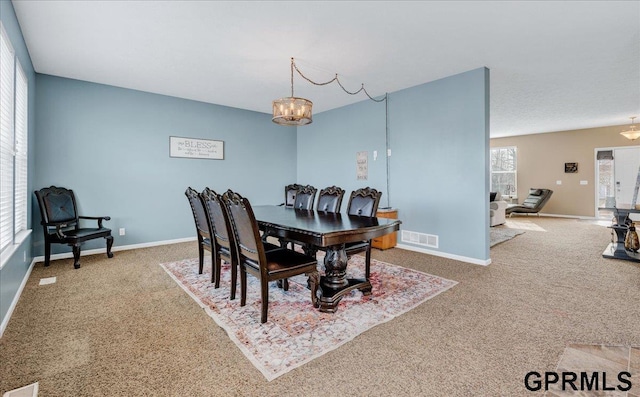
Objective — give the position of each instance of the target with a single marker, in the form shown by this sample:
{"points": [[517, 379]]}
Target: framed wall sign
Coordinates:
{"points": [[362, 166], [195, 148], [570, 168]]}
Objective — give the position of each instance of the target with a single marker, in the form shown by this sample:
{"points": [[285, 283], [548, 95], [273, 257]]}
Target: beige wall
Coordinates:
{"points": [[541, 159]]}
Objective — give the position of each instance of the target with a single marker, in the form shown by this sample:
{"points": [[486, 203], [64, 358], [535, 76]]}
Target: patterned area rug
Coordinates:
{"points": [[296, 332], [499, 235]]}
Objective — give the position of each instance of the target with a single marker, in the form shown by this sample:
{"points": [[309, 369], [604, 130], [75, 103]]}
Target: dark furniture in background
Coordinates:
{"points": [[363, 202], [61, 223], [534, 202], [266, 266], [330, 199], [330, 232], [205, 242], [305, 197]]}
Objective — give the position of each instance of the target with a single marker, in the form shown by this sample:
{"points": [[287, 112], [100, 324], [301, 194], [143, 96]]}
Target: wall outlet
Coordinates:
{"points": [[583, 182], [558, 182], [122, 231]]}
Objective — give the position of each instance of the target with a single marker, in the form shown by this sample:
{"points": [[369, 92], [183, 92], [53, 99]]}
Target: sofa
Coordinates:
{"points": [[497, 209]]}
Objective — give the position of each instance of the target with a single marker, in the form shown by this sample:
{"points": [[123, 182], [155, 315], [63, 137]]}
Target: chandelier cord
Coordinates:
{"points": [[336, 79]]}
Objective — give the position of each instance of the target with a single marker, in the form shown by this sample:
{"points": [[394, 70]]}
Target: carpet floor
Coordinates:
{"points": [[122, 327]]}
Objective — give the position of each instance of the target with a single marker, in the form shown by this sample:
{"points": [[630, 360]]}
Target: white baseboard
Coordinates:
{"points": [[14, 302], [67, 255], [460, 258]]}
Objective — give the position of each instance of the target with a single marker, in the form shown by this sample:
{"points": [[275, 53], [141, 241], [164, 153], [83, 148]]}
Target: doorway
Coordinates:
{"points": [[618, 176]]}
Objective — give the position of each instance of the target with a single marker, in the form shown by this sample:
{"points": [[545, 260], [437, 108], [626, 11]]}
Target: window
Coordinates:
{"points": [[13, 144], [504, 170]]}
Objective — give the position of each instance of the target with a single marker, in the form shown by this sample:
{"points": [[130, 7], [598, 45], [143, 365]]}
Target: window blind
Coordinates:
{"points": [[7, 73], [20, 164]]}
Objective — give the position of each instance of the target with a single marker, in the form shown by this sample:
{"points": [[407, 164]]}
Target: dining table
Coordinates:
{"points": [[329, 232]]}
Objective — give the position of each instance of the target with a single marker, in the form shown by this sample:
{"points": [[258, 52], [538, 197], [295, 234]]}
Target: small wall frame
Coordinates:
{"points": [[570, 168]]}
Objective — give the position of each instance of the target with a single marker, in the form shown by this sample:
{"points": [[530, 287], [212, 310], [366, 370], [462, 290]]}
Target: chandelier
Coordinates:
{"points": [[631, 133], [291, 110], [294, 111]]}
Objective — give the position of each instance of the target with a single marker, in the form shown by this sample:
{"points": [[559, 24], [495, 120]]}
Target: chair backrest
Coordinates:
{"points": [[364, 202], [290, 194], [305, 196], [57, 205], [219, 222], [199, 215], [245, 229], [330, 199], [537, 198]]}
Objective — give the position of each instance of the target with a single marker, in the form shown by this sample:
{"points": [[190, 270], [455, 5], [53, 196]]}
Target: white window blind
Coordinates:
{"points": [[13, 144], [20, 205], [7, 75]]}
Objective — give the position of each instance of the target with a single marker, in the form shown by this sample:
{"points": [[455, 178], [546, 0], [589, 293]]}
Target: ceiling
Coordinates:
{"points": [[553, 65]]}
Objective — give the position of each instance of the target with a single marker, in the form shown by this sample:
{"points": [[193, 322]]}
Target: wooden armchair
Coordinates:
{"points": [[61, 223]]}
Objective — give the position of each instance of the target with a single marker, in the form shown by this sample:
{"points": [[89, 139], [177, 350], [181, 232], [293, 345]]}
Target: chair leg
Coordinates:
{"points": [[76, 256], [264, 292], [109, 245], [234, 277], [200, 258], [367, 263], [215, 266], [47, 253], [313, 282], [243, 286]]}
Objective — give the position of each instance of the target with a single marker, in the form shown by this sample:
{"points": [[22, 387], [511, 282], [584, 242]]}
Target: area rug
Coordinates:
{"points": [[296, 332], [501, 234]]}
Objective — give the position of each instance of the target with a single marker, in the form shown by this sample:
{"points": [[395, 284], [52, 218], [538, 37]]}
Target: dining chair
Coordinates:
{"points": [[220, 230], [330, 199], [363, 202], [290, 194], [61, 223], [305, 196], [205, 242], [266, 266]]}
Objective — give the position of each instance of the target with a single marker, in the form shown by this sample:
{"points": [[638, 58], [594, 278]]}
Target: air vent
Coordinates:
{"points": [[428, 240]]}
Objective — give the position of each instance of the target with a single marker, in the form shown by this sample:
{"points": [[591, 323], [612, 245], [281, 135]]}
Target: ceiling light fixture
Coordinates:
{"points": [[631, 133], [293, 111]]}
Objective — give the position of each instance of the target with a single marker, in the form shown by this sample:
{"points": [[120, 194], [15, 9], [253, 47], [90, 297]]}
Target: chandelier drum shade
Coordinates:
{"points": [[631, 133], [292, 111]]}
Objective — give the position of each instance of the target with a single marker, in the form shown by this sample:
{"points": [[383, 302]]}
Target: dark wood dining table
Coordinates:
{"points": [[330, 232]]}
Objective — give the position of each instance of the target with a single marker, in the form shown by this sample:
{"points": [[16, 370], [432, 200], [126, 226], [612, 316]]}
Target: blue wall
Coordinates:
{"points": [[439, 141], [439, 137], [327, 148], [111, 146], [15, 269]]}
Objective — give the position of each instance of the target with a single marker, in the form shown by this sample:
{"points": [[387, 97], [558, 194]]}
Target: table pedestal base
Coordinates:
{"points": [[329, 297], [335, 284]]}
